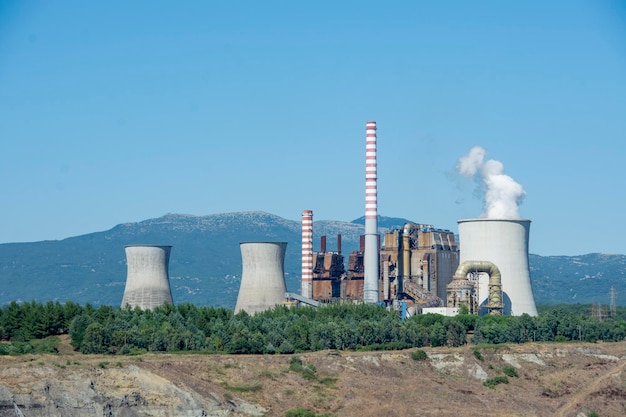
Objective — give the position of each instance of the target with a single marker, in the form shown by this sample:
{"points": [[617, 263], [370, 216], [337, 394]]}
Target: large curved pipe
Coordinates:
{"points": [[495, 304]]}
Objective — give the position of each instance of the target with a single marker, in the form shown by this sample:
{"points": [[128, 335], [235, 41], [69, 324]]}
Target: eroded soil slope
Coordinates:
{"points": [[543, 380]]}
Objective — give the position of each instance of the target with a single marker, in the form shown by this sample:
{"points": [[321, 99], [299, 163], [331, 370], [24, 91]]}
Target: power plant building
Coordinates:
{"points": [[418, 262], [147, 280], [328, 272]]}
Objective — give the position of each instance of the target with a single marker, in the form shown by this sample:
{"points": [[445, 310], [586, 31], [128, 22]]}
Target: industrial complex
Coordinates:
{"points": [[416, 268]]}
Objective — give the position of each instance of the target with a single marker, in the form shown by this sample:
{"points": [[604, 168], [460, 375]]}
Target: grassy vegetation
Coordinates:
{"points": [[307, 371], [244, 388]]}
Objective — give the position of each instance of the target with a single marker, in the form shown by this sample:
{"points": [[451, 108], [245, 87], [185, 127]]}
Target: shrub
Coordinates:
{"points": [[295, 360], [300, 412], [47, 345], [303, 412], [496, 380], [419, 355], [478, 355], [510, 371]]}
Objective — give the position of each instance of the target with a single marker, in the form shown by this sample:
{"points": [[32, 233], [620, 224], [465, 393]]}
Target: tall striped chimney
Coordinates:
{"points": [[306, 285], [370, 282]]}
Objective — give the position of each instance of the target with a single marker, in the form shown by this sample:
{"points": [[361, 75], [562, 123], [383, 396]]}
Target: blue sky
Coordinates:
{"points": [[117, 111]]}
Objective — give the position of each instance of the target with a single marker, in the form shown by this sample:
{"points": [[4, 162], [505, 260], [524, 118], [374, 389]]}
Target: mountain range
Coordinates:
{"points": [[205, 262]]}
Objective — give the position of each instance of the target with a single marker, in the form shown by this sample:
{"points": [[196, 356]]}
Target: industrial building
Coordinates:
{"points": [[328, 273], [416, 263], [425, 268]]}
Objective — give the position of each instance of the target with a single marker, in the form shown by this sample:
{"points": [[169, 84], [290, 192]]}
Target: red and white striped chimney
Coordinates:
{"points": [[370, 272], [306, 285]]}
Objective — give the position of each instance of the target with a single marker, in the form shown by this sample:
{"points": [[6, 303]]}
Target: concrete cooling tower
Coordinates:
{"points": [[147, 280], [262, 277], [505, 243]]}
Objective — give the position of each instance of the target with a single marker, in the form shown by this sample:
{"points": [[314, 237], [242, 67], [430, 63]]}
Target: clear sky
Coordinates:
{"points": [[121, 111]]}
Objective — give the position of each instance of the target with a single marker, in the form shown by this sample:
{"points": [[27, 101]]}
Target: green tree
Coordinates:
{"points": [[78, 328], [95, 340], [438, 334], [455, 333]]}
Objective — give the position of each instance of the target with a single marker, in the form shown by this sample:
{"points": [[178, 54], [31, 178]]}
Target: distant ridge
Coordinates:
{"points": [[385, 222], [205, 264]]}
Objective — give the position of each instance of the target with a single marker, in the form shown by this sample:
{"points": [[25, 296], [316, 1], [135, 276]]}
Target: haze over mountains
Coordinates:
{"points": [[205, 264]]}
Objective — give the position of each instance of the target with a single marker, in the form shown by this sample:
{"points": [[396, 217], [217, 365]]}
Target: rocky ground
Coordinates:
{"points": [[557, 379]]}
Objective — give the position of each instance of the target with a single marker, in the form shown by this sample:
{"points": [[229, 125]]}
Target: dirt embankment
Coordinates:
{"points": [[534, 380]]}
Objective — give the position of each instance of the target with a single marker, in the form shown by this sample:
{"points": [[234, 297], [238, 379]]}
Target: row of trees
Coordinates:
{"points": [[187, 327]]}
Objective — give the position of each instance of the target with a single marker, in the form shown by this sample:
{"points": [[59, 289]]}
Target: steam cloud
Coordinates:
{"points": [[502, 194]]}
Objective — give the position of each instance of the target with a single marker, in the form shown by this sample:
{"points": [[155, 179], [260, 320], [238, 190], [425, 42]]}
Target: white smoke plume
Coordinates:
{"points": [[502, 194]]}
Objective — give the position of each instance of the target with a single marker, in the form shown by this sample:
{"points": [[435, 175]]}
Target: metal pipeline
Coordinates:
{"points": [[495, 305]]}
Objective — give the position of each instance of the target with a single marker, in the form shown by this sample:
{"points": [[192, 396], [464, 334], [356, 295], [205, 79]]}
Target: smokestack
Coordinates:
{"points": [[370, 282], [147, 279], [323, 244], [262, 276], [339, 243], [306, 285]]}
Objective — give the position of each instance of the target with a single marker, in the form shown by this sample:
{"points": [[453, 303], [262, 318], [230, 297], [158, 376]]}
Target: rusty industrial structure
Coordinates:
{"points": [[328, 272], [416, 263]]}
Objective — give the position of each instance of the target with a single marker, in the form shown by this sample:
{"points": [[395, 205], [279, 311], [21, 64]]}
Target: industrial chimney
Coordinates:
{"points": [[147, 279], [306, 285], [262, 277], [370, 268], [505, 243]]}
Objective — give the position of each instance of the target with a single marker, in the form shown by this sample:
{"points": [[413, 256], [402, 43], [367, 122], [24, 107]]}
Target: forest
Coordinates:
{"points": [[30, 327]]}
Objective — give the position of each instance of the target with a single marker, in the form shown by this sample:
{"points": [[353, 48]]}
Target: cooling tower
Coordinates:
{"points": [[147, 279], [370, 256], [503, 242], [306, 285], [262, 277]]}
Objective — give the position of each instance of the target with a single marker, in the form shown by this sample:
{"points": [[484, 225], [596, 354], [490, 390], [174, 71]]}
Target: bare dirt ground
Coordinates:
{"points": [[553, 379]]}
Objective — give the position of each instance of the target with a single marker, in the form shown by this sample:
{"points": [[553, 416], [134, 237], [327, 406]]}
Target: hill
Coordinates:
{"points": [[552, 379], [205, 263]]}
